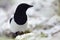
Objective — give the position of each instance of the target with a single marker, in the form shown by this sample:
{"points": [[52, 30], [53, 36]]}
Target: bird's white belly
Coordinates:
{"points": [[15, 27]]}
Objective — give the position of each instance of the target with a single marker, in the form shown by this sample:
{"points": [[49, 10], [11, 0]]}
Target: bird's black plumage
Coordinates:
{"points": [[20, 16], [11, 20]]}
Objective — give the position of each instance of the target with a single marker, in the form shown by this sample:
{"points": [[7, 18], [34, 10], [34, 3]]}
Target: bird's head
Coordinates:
{"points": [[25, 5]]}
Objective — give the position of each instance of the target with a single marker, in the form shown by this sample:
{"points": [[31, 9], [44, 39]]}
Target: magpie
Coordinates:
{"points": [[19, 21]]}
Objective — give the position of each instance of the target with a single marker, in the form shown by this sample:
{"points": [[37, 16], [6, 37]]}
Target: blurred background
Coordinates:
{"points": [[42, 16]]}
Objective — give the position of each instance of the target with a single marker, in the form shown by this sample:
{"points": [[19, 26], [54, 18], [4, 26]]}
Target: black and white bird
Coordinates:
{"points": [[19, 20]]}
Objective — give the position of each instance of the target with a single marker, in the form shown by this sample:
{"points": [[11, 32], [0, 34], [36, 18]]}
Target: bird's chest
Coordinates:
{"points": [[15, 27]]}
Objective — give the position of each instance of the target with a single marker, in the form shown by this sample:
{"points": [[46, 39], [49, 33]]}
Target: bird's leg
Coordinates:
{"points": [[16, 34], [19, 33]]}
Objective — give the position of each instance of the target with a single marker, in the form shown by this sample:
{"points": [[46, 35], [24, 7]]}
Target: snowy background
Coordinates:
{"points": [[43, 17]]}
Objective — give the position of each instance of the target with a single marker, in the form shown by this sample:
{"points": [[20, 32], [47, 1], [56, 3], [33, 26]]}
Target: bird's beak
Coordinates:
{"points": [[31, 5]]}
